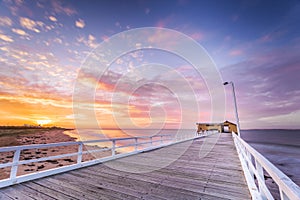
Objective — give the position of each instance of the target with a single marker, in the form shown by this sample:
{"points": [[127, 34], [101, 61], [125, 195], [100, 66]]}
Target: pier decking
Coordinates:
{"points": [[218, 175]]}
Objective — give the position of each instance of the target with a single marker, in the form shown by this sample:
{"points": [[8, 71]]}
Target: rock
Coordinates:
{"points": [[40, 167]]}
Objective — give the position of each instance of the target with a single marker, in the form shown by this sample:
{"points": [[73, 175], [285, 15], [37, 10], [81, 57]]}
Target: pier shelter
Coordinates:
{"points": [[225, 127]]}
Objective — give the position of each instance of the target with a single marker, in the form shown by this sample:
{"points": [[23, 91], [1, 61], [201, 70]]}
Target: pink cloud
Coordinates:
{"points": [[162, 23], [65, 9], [104, 37], [271, 36], [236, 52], [266, 86], [197, 36]]}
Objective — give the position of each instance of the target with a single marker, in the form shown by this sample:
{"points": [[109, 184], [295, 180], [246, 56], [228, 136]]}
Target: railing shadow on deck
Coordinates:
{"points": [[138, 144], [255, 165]]}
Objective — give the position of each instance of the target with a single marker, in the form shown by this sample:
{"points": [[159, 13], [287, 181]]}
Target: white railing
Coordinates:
{"points": [[139, 144], [255, 165]]}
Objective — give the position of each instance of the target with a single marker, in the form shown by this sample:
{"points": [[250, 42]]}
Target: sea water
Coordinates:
{"points": [[280, 147]]}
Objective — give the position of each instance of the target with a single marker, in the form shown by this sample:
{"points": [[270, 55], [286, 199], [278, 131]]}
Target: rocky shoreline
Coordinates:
{"points": [[41, 137]]}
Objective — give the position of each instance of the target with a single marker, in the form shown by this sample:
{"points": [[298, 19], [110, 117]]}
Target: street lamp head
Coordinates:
{"points": [[225, 83]]}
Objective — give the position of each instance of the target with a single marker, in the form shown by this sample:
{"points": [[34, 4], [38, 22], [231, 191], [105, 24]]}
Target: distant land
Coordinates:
{"points": [[34, 127]]}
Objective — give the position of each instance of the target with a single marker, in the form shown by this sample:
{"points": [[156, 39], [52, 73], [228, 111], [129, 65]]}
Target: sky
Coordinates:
{"points": [[45, 45]]}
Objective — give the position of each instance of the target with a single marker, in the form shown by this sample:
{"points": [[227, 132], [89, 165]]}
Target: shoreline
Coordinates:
{"points": [[40, 136], [19, 136]]}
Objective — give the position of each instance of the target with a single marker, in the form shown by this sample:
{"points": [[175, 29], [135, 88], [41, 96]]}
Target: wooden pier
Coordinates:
{"points": [[218, 175]]}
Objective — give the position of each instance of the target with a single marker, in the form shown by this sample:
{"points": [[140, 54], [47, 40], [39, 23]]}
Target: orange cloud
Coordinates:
{"points": [[15, 112], [52, 18], [6, 38], [29, 24], [80, 23], [19, 32], [90, 41]]}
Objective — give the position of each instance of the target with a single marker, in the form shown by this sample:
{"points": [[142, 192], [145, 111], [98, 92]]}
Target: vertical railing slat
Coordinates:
{"points": [[79, 157], [14, 167], [135, 144], [249, 163], [260, 173], [283, 195], [14, 178], [113, 148]]}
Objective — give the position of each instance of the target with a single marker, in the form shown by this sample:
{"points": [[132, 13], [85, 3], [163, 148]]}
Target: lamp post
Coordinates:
{"points": [[235, 107]]}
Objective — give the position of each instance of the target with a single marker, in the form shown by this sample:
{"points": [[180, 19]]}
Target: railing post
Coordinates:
{"points": [[249, 162], [14, 167], [113, 148], [79, 157], [135, 145], [283, 195], [260, 173], [151, 141]]}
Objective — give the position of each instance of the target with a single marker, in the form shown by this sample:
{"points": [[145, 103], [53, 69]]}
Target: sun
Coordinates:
{"points": [[43, 121]]}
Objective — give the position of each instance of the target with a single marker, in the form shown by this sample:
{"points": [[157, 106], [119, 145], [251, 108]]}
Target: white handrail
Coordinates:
{"points": [[287, 188], [162, 140]]}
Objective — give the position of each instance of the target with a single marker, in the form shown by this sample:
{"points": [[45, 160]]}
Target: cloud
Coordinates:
{"points": [[19, 32], [164, 22], [58, 40], [272, 36], [266, 85], [5, 21], [90, 41], [197, 36], [52, 18], [80, 23], [292, 118], [6, 38], [62, 9], [236, 52], [29, 24]]}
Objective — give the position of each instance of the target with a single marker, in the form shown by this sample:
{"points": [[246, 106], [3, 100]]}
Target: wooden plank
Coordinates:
{"points": [[138, 186], [174, 181], [100, 187], [14, 193], [4, 196], [33, 193], [48, 191], [57, 187], [199, 168], [81, 188], [188, 172]]}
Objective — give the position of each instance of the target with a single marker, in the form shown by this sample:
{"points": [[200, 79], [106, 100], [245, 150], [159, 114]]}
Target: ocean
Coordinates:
{"points": [[281, 147]]}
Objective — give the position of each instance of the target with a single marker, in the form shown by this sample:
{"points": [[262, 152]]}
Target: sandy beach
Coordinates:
{"points": [[38, 136]]}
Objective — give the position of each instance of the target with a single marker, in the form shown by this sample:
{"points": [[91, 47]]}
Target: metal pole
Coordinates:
{"points": [[236, 112]]}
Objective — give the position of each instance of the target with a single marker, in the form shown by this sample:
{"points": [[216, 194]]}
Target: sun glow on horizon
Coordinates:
{"points": [[43, 121]]}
